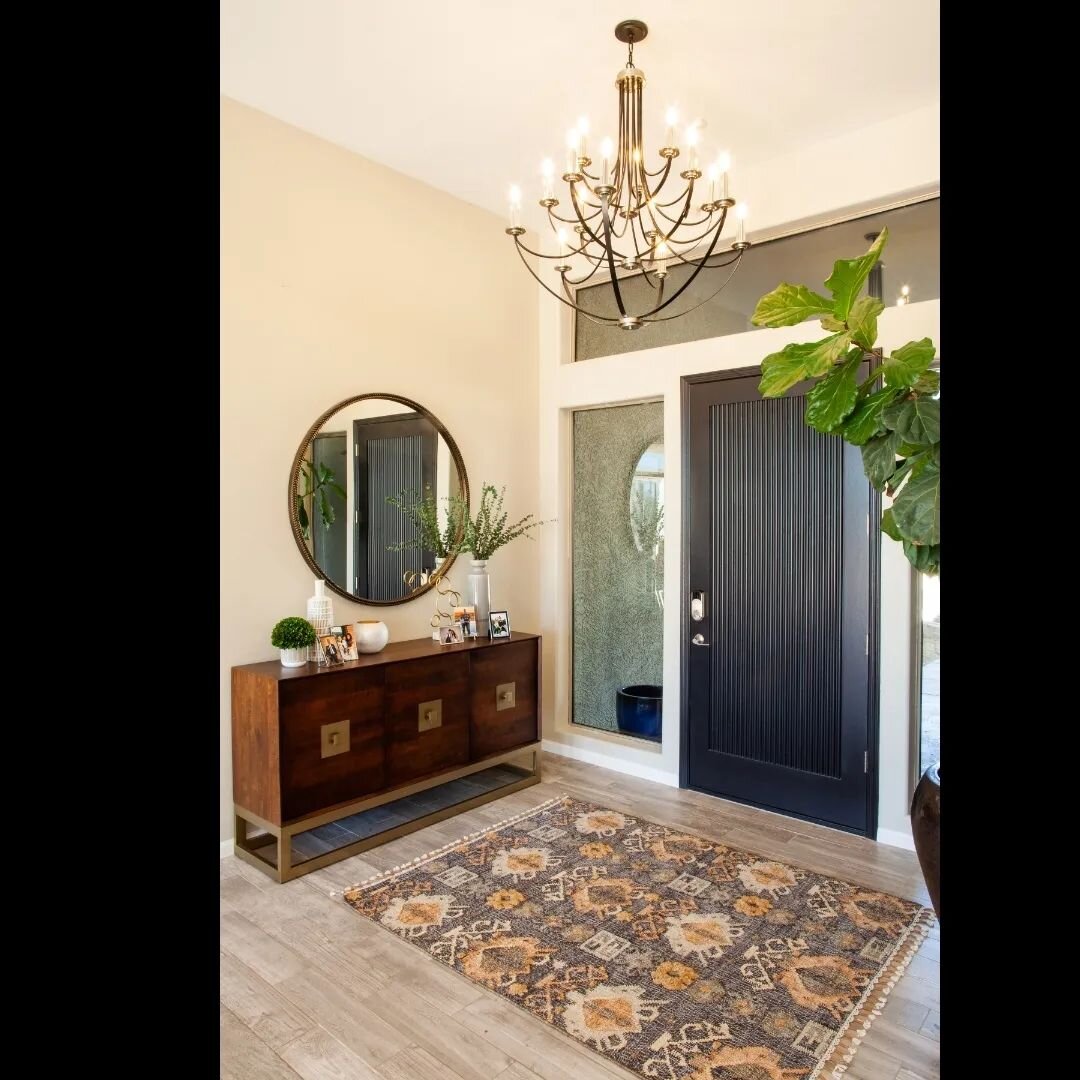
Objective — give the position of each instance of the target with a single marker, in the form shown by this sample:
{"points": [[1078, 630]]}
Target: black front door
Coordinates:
{"points": [[777, 650]]}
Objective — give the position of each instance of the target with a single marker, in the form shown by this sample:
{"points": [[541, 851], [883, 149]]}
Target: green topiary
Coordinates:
{"points": [[292, 633]]}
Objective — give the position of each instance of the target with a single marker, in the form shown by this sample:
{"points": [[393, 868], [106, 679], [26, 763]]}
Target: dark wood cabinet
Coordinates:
{"points": [[365, 751]]}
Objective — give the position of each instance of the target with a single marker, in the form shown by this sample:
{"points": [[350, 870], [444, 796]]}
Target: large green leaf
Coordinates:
{"points": [[862, 321], [879, 458], [888, 526], [926, 558], [782, 370], [915, 420], [788, 304], [848, 276], [865, 422], [911, 463], [929, 382], [831, 322], [834, 397], [904, 366], [916, 510]]}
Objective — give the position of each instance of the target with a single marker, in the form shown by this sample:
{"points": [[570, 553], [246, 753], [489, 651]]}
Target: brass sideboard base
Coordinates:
{"points": [[272, 851]]}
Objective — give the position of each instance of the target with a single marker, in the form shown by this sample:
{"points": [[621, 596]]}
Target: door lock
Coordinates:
{"points": [[697, 606]]}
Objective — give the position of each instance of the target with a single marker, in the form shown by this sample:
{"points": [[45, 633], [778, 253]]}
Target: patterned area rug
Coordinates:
{"points": [[676, 957]]}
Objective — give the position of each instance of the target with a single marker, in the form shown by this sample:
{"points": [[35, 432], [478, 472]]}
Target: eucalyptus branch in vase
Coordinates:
{"points": [[423, 512], [488, 530]]}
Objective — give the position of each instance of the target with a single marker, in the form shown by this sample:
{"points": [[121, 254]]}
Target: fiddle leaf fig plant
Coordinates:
{"points": [[893, 414], [318, 480]]}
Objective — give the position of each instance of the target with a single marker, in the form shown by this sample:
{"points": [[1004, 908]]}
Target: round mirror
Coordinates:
{"points": [[647, 500], [371, 496]]}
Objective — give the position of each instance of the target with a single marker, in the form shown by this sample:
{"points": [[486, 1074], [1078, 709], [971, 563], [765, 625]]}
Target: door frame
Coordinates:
{"points": [[873, 621]]}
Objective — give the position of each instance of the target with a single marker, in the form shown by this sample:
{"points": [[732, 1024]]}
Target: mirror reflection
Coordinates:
{"points": [[647, 500], [369, 450]]}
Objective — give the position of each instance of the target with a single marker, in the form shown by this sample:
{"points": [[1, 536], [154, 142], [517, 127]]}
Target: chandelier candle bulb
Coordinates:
{"points": [[583, 133], [671, 118], [723, 163], [740, 226], [607, 150], [515, 207], [547, 171]]}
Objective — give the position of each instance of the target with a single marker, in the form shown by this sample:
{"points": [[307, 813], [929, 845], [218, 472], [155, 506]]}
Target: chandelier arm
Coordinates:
{"points": [[603, 245], [598, 318], [713, 296], [663, 173], [644, 269], [565, 220], [581, 281], [689, 281], [611, 260]]}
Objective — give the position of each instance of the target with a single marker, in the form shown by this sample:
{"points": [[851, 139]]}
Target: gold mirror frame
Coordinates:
{"points": [[294, 474]]}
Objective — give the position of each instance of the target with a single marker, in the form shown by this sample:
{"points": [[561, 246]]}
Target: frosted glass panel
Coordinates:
{"points": [[912, 258], [618, 563]]}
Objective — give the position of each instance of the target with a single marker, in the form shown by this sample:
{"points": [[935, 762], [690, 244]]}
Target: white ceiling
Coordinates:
{"points": [[469, 97]]}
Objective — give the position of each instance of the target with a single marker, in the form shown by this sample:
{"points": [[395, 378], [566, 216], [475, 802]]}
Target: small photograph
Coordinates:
{"points": [[465, 621], [499, 622], [339, 644], [450, 635]]}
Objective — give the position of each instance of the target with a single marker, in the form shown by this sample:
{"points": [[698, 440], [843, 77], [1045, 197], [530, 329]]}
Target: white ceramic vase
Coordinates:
{"points": [[294, 657], [320, 613], [371, 636], [479, 591]]}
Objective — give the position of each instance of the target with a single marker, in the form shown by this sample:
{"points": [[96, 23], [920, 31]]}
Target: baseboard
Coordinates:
{"points": [[896, 838], [226, 848], [592, 757]]}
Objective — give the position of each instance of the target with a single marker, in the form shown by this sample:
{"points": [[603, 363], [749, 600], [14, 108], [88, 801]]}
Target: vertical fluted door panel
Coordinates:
{"points": [[776, 552]]}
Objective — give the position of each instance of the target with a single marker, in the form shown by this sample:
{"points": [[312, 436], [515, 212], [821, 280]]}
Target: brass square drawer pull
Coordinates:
{"points": [[430, 714], [505, 696], [335, 738]]}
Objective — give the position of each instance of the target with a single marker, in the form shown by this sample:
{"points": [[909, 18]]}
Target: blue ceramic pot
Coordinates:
{"points": [[638, 710]]}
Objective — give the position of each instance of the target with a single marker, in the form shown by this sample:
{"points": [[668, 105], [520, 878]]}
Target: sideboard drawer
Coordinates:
{"points": [[311, 781], [410, 751], [494, 672]]}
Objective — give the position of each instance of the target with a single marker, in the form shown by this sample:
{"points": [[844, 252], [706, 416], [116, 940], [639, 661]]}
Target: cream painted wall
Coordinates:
{"points": [[339, 277], [869, 168]]}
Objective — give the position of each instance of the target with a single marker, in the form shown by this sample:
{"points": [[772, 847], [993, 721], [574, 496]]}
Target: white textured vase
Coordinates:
{"points": [[294, 657], [320, 613], [371, 636], [479, 594]]}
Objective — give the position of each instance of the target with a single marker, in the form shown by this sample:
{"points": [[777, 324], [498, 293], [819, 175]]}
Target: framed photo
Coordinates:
{"points": [[450, 635], [499, 625], [339, 644], [465, 620]]}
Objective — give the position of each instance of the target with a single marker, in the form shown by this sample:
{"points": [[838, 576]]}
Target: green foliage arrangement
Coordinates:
{"points": [[318, 480], [893, 414], [423, 512], [488, 530], [292, 633]]}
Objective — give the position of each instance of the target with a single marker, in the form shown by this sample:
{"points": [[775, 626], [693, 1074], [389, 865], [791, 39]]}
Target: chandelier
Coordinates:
{"points": [[626, 220]]}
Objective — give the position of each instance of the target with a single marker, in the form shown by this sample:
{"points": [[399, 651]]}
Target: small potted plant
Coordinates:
{"points": [[293, 636]]}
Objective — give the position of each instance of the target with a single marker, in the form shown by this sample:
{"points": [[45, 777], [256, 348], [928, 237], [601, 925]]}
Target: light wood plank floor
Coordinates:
{"points": [[311, 990]]}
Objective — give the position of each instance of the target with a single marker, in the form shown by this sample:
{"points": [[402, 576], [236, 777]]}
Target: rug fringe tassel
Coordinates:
{"points": [[851, 1035], [421, 859]]}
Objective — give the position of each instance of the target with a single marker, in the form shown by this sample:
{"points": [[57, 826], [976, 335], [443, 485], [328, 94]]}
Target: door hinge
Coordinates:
{"points": [[356, 516], [356, 449], [866, 761], [866, 645], [867, 524]]}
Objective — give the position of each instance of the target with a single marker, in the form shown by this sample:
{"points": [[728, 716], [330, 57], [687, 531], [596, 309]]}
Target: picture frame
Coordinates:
{"points": [[499, 625], [338, 644], [450, 635], [465, 619]]}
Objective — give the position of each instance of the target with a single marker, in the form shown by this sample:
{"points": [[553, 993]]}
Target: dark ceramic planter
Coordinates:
{"points": [[638, 710], [926, 829]]}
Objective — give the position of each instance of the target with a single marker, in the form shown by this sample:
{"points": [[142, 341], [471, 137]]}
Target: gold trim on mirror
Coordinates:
{"points": [[294, 475]]}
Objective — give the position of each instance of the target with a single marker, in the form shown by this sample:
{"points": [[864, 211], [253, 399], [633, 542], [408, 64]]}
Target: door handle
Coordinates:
{"points": [[699, 639]]}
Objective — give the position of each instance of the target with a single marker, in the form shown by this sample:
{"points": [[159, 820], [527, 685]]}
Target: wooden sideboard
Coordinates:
{"points": [[330, 761]]}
